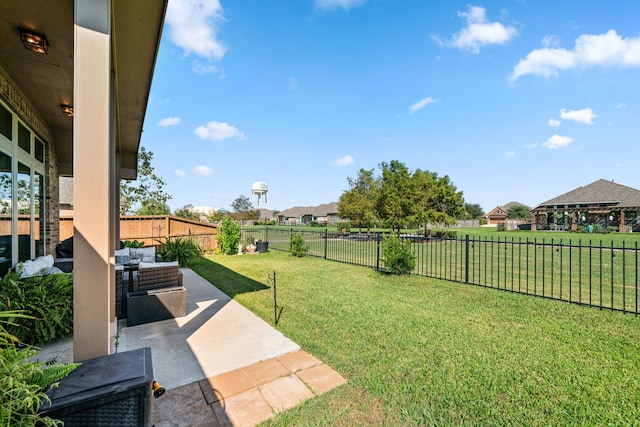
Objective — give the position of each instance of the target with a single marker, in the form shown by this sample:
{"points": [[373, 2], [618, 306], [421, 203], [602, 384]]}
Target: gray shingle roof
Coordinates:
{"points": [[600, 191], [321, 210]]}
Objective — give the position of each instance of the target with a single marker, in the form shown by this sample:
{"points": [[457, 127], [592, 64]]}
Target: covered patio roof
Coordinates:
{"points": [[601, 195], [47, 81]]}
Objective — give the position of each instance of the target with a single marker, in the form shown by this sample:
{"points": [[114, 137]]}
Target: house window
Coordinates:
{"points": [[22, 191], [6, 231], [6, 120], [24, 138], [39, 148]]}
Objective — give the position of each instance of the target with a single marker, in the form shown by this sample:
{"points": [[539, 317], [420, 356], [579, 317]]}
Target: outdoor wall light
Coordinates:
{"points": [[33, 41], [67, 110]]}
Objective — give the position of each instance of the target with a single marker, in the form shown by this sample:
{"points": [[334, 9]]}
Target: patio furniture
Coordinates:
{"points": [[157, 275], [156, 294]]}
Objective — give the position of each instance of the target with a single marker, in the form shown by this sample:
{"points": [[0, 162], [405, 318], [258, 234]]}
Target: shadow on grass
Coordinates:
{"points": [[228, 281]]}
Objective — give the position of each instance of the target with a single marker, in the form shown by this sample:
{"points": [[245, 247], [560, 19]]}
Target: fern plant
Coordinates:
{"points": [[48, 300], [23, 383]]}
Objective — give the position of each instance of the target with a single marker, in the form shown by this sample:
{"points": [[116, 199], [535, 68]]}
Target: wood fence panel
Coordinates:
{"points": [[153, 230]]}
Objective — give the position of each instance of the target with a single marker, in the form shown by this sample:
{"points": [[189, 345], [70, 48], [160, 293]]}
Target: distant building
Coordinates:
{"points": [[498, 215], [602, 202], [326, 214]]}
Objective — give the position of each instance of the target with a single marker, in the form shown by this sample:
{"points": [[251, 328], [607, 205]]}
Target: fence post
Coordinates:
{"points": [[466, 259], [326, 235], [378, 252], [266, 233]]}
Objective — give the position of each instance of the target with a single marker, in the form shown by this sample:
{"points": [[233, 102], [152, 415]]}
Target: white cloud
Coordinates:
{"points": [[550, 41], [218, 131], [203, 69], [620, 105], [555, 122], [585, 115], [421, 104], [530, 146], [479, 32], [202, 170], [169, 121], [335, 4], [599, 50], [192, 27], [557, 141], [344, 161], [510, 154], [179, 173]]}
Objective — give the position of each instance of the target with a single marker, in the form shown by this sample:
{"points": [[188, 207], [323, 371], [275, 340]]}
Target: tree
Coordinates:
{"points": [[187, 212], [435, 199], [215, 216], [359, 202], [400, 198], [518, 212], [151, 207], [243, 209], [474, 210], [395, 204], [147, 189]]}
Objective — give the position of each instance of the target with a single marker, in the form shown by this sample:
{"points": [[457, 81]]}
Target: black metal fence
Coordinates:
{"points": [[578, 271]]}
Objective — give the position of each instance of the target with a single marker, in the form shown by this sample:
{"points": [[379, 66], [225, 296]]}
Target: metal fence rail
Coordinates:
{"points": [[580, 272]]}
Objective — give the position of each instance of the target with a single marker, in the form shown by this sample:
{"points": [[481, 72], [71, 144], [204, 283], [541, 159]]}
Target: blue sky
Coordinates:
{"points": [[517, 100]]}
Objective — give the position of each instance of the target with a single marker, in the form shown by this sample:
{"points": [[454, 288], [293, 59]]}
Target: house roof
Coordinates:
{"points": [[321, 210], [600, 192], [505, 208]]}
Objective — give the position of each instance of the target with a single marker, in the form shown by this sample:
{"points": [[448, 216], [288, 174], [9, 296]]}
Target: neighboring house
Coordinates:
{"points": [[498, 215], [326, 214], [66, 196], [75, 78], [602, 202]]}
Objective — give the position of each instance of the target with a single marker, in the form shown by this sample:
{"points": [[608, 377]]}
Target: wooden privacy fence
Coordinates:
{"points": [[153, 230]]}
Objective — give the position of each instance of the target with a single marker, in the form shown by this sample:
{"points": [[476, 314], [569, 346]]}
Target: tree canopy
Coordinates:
{"points": [[243, 209], [187, 212], [518, 212], [400, 198], [146, 191], [474, 210]]}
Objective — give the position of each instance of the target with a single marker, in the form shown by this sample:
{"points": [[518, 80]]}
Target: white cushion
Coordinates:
{"points": [[158, 264], [122, 252], [147, 254], [38, 266]]}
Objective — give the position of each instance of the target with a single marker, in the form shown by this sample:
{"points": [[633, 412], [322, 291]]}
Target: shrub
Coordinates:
{"points": [[396, 255], [48, 300], [22, 382], [182, 249], [297, 245], [229, 237]]}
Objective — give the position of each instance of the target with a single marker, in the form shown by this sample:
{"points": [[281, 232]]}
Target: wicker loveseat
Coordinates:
{"points": [[157, 275], [157, 293]]}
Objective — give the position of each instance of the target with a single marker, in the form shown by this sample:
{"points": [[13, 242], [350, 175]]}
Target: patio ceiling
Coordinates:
{"points": [[47, 80]]}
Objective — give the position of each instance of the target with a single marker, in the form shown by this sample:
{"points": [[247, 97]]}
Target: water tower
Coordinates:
{"points": [[260, 189]]}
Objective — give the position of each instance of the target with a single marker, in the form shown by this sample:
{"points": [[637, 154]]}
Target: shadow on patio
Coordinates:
{"points": [[220, 364]]}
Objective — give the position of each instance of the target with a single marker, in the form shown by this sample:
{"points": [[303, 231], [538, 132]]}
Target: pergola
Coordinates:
{"points": [[602, 202]]}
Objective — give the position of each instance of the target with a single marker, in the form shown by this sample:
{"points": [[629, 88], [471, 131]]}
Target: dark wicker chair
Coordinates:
{"points": [[157, 275]]}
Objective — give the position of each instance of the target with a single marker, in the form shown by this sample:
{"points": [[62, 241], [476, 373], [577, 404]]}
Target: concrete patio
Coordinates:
{"points": [[220, 364]]}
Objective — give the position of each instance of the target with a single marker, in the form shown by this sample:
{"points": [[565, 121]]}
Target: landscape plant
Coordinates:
{"points": [[23, 381], [46, 300], [397, 255], [229, 236], [181, 249], [297, 246]]}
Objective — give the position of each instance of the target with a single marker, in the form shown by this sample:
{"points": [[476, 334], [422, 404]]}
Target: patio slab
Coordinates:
{"points": [[221, 365]]}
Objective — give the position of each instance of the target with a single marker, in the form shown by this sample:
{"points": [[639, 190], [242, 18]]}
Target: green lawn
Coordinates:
{"points": [[423, 351]]}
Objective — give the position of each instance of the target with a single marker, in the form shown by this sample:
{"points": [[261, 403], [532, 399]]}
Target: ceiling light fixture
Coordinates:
{"points": [[67, 110], [33, 41]]}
